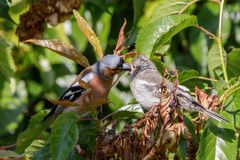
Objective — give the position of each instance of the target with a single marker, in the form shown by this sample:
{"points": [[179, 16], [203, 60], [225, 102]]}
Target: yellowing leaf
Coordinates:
{"points": [[88, 32], [63, 49]]}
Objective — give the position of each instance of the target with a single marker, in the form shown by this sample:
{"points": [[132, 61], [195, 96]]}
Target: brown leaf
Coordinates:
{"points": [[120, 39], [210, 102], [61, 48], [65, 103], [88, 32]]}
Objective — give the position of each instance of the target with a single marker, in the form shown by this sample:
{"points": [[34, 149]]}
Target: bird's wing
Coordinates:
{"points": [[71, 93]]}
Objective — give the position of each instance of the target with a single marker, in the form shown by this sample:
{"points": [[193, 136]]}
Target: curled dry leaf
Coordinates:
{"points": [[210, 102], [119, 46], [44, 12], [61, 48], [151, 137], [64, 103], [88, 32]]}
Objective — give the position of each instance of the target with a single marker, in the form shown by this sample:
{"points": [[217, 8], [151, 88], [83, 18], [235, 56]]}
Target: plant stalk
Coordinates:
{"points": [[219, 41]]}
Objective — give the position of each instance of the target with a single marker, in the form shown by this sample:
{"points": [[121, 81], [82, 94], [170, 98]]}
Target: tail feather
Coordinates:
{"points": [[209, 113], [214, 115]]}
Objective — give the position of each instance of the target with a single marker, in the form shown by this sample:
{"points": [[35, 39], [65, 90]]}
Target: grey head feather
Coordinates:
{"points": [[140, 64], [108, 61]]}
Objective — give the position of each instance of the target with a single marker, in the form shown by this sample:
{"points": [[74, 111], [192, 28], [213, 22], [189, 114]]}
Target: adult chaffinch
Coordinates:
{"points": [[146, 88], [91, 87]]}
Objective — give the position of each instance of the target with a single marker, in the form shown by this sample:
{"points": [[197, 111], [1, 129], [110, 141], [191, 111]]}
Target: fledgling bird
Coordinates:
{"points": [[98, 78], [146, 84]]}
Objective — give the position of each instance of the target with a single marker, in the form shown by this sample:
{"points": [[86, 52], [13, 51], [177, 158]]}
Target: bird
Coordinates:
{"points": [[98, 78], [146, 84], [89, 90]]}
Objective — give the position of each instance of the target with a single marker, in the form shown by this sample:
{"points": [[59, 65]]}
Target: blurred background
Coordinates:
{"points": [[30, 74]]}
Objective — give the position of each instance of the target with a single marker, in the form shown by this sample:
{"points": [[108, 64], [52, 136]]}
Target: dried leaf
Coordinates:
{"points": [[61, 48], [88, 32], [118, 48], [210, 102], [64, 103]]}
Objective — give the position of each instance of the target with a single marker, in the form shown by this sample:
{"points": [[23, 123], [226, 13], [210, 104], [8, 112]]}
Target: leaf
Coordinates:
{"points": [[88, 132], [154, 35], [199, 48], [118, 49], [138, 6], [219, 140], [214, 61], [8, 154], [169, 7], [187, 75], [133, 111], [88, 32], [233, 61], [4, 9], [61, 48], [64, 135], [208, 18], [7, 66], [42, 154], [34, 129]]}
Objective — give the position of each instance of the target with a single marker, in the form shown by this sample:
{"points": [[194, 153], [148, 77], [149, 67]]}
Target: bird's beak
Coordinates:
{"points": [[126, 67]]}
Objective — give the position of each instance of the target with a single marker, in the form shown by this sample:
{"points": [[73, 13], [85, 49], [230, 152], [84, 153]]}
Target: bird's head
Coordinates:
{"points": [[110, 65], [140, 64]]}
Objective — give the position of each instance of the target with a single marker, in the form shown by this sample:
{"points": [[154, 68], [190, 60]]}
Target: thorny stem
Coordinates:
{"points": [[219, 41], [188, 5]]}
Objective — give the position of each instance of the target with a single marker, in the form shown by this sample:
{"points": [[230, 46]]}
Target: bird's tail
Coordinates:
{"points": [[209, 113]]}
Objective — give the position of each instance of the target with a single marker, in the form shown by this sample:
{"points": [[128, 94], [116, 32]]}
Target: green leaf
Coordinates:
{"points": [[4, 11], [208, 18], [133, 111], [7, 66], [233, 61], [214, 61], [199, 48], [42, 154], [34, 129], [154, 35], [88, 132], [187, 75], [8, 154], [219, 140], [64, 135], [138, 6], [169, 7]]}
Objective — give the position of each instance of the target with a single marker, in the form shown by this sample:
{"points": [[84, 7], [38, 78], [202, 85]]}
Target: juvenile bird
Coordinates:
{"points": [[98, 78], [146, 84]]}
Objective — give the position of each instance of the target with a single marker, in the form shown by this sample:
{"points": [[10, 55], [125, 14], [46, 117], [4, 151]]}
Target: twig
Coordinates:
{"points": [[7, 147], [207, 32]]}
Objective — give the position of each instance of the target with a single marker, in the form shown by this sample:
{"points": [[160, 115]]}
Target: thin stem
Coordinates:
{"points": [[207, 79], [188, 5], [207, 32], [220, 19], [229, 92], [219, 41]]}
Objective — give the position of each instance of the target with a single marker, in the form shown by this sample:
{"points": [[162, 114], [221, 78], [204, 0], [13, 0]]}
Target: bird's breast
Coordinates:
{"points": [[145, 93]]}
